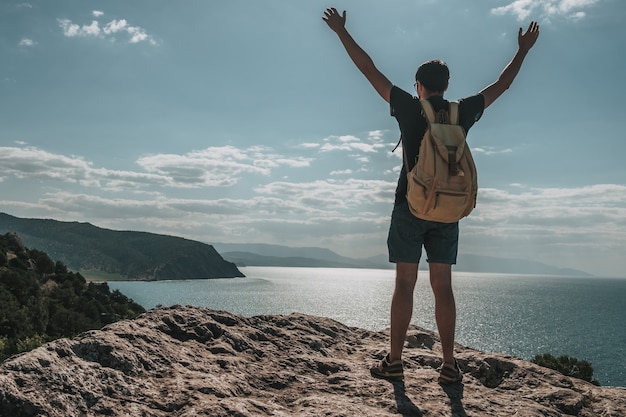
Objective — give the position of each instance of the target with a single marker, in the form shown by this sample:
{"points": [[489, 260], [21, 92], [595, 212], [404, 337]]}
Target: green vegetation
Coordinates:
{"points": [[567, 365], [40, 300]]}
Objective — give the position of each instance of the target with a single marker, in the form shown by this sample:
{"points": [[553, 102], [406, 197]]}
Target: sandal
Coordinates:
{"points": [[388, 370], [450, 374]]}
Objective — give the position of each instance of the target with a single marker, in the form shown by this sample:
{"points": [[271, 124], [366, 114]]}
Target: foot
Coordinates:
{"points": [[450, 373], [388, 370]]}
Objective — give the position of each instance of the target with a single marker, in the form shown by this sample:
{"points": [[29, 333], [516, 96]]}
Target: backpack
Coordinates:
{"points": [[442, 186]]}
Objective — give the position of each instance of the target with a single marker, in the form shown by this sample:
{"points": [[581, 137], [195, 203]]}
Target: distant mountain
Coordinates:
{"points": [[479, 263], [260, 254], [249, 258], [133, 255], [277, 255]]}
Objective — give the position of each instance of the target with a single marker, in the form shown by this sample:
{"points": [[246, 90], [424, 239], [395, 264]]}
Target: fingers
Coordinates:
{"points": [[333, 11], [533, 27], [330, 11], [332, 16], [531, 32]]}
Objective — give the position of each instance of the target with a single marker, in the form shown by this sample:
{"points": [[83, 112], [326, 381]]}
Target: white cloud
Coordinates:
{"points": [[71, 29], [489, 150], [137, 34], [33, 163], [115, 26], [376, 135], [310, 145], [110, 30], [351, 143], [27, 42], [578, 16], [341, 172], [332, 194], [210, 167], [523, 9]]}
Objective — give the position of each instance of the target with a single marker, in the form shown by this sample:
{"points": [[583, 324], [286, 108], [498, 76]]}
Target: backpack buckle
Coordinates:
{"points": [[453, 166]]}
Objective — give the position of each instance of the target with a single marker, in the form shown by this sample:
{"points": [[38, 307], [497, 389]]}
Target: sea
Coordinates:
{"points": [[519, 315]]}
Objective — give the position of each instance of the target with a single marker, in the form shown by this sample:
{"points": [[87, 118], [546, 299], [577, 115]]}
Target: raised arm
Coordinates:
{"points": [[360, 58], [525, 41]]}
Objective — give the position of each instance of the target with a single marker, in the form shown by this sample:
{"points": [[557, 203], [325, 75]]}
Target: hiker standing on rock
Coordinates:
{"points": [[407, 233]]}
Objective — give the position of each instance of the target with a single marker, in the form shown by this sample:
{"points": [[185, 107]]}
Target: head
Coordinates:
{"points": [[433, 76]]}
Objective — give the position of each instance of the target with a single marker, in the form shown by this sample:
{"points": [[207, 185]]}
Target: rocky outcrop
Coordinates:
{"points": [[185, 361]]}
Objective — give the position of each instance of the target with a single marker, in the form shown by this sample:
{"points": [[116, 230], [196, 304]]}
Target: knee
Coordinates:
{"points": [[406, 275], [441, 278]]}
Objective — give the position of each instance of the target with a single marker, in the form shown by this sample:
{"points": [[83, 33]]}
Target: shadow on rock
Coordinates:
{"points": [[404, 403], [455, 394]]}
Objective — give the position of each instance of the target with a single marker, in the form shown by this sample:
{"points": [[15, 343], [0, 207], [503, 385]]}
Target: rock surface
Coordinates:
{"points": [[187, 361]]}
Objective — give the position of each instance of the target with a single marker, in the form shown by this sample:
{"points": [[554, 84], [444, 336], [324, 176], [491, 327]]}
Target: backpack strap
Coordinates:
{"points": [[454, 112], [429, 112], [427, 109]]}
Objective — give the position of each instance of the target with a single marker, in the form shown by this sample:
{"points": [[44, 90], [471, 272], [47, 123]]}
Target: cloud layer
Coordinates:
{"points": [[234, 194]]}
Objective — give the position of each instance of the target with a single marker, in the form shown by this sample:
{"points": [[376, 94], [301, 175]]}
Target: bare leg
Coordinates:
{"points": [[402, 307], [445, 307]]}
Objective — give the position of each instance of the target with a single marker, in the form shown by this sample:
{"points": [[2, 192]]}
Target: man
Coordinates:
{"points": [[408, 234]]}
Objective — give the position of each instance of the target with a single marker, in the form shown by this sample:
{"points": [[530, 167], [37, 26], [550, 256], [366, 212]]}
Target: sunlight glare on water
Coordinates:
{"points": [[521, 315]]}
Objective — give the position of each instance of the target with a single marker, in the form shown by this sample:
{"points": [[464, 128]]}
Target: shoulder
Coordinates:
{"points": [[472, 106], [401, 101], [399, 95], [471, 110]]}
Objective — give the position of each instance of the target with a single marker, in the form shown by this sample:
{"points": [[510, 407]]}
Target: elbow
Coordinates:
{"points": [[505, 84], [367, 67]]}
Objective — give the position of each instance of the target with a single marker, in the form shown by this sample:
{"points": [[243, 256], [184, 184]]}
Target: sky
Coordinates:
{"points": [[244, 121]]}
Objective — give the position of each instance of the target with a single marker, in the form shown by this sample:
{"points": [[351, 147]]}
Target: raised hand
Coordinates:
{"points": [[528, 39], [334, 20]]}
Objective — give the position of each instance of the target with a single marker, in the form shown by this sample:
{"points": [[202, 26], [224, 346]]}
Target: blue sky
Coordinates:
{"points": [[245, 121]]}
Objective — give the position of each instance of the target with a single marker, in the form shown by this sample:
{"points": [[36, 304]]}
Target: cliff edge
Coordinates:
{"points": [[187, 361]]}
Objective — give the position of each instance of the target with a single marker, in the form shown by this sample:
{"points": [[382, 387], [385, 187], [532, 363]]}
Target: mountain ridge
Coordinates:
{"points": [[278, 255], [133, 255]]}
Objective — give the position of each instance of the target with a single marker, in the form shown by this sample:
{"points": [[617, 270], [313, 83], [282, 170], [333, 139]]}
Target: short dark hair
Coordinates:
{"points": [[433, 75]]}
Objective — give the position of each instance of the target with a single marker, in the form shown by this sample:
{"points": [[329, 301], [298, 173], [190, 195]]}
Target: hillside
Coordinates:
{"points": [[186, 361], [133, 255], [40, 300]]}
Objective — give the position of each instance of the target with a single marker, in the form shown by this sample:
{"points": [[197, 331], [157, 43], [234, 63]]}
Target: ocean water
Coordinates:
{"points": [[521, 315]]}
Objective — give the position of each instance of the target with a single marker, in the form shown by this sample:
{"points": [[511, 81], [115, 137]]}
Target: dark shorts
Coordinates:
{"points": [[407, 235]]}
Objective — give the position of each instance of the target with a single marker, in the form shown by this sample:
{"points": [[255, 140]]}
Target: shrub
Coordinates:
{"points": [[29, 343], [567, 365]]}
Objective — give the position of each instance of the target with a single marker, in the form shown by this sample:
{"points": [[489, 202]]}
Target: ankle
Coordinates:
{"points": [[450, 363], [392, 359]]}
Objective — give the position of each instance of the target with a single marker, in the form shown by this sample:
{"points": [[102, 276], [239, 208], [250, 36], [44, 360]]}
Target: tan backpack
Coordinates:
{"points": [[442, 186]]}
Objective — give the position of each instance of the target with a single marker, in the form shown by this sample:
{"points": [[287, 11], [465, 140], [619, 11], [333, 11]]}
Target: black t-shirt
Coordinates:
{"points": [[408, 112]]}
